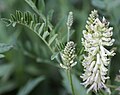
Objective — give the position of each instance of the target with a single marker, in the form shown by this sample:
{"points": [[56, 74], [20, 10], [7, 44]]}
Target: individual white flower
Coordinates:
{"points": [[68, 56], [96, 37]]}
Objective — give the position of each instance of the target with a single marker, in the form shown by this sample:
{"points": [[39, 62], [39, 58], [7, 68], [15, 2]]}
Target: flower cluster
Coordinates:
{"points": [[96, 37], [68, 56]]}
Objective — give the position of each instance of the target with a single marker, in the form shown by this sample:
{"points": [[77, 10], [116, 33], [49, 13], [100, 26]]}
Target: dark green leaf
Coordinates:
{"points": [[6, 87], [78, 88], [30, 86]]}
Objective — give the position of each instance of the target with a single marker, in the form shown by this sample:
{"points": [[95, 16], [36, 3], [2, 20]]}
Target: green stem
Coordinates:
{"points": [[68, 35], [70, 80]]}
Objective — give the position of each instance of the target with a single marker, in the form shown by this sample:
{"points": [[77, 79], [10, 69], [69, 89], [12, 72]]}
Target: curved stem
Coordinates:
{"points": [[70, 80]]}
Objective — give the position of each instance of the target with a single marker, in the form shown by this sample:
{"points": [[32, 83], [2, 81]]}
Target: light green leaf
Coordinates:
{"points": [[41, 28], [54, 55], [45, 34], [60, 45], [14, 24], [13, 17], [7, 21], [1, 55], [31, 24], [36, 26], [52, 39], [50, 15], [19, 15], [32, 5], [30, 86], [5, 47], [41, 6]]}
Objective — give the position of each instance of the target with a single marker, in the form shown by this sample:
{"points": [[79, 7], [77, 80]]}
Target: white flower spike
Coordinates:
{"points": [[70, 20], [68, 56], [96, 37]]}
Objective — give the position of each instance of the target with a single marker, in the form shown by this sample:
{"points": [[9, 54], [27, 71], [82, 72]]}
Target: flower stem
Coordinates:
{"points": [[68, 34], [70, 80]]}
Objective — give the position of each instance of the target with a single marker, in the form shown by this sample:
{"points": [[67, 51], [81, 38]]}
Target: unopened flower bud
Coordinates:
{"points": [[68, 56], [70, 19]]}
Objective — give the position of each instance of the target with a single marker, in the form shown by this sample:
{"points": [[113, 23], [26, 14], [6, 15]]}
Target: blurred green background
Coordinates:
{"points": [[27, 68]]}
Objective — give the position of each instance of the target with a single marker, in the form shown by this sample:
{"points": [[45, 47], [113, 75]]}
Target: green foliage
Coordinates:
{"points": [[32, 5], [6, 70], [30, 85], [4, 48], [6, 87], [35, 24], [79, 90]]}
